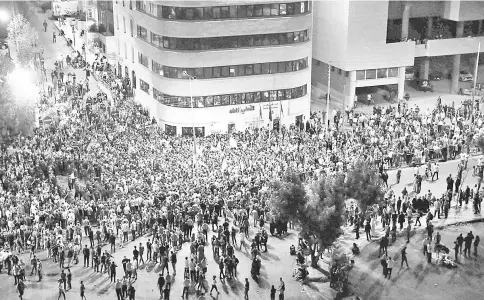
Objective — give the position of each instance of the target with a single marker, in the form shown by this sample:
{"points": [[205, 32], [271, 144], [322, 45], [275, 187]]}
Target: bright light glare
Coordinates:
{"points": [[4, 16], [23, 85]]}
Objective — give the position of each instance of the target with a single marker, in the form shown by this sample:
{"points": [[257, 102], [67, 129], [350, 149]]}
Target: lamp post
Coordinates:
{"points": [[190, 78], [328, 95], [476, 72]]}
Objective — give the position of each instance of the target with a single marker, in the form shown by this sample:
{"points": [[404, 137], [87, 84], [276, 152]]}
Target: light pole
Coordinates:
{"points": [[328, 95], [476, 72], [190, 78]]}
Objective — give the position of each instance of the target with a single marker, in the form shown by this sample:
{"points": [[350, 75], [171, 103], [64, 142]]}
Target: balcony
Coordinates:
{"points": [[448, 47]]}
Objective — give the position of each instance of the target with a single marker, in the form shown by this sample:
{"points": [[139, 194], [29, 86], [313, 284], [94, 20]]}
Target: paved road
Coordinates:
{"points": [[422, 280]]}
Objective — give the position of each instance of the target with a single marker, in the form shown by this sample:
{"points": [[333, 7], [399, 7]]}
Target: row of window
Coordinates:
{"points": [[230, 71], [376, 73], [225, 42], [234, 11], [232, 99], [144, 86]]}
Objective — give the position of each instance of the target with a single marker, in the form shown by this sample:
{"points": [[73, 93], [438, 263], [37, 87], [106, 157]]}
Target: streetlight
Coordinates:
{"points": [[476, 72], [4, 16], [190, 78], [328, 96]]}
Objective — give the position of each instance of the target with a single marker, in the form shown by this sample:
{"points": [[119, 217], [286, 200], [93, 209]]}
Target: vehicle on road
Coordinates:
{"points": [[409, 73], [465, 76], [424, 86], [436, 76]]}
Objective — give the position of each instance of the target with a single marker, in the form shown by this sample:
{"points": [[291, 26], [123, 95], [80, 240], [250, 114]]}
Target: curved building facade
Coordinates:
{"points": [[217, 65]]}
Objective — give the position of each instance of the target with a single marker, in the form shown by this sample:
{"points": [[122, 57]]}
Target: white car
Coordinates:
{"points": [[465, 76], [409, 73]]}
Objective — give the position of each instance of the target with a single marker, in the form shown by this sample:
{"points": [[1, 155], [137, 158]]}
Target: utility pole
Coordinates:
{"points": [[328, 96], [476, 72]]}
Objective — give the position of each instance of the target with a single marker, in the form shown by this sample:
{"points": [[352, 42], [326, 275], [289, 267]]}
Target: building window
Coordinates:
{"points": [[132, 54], [232, 71], [143, 59], [226, 42], [382, 73], [371, 74], [187, 131], [157, 68], [360, 75], [170, 130], [232, 99], [144, 86], [142, 32], [392, 72], [124, 23], [141, 5], [226, 12], [131, 27]]}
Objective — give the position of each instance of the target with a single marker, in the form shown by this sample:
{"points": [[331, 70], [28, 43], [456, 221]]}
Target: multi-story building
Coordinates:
{"points": [[242, 62], [369, 43]]}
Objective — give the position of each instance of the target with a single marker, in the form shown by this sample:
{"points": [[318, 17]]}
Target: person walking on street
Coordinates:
{"points": [[118, 288], [390, 263], [69, 279], [21, 288], [86, 253], [468, 244], [429, 253], [404, 256], [476, 244], [214, 285], [131, 292], [281, 289], [460, 241], [161, 283], [368, 231], [83, 291], [186, 286], [273, 293], [246, 289], [409, 230], [61, 290], [456, 250], [113, 267], [54, 37], [45, 25]]}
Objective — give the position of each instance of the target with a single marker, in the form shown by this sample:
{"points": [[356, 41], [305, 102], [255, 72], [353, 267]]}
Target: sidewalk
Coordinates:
{"points": [[456, 215]]}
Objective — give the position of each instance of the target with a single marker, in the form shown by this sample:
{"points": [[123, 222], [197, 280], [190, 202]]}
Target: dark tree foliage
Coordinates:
{"points": [[364, 184], [318, 209]]}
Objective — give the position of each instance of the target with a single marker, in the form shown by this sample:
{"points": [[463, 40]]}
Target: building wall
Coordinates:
{"points": [[418, 9], [215, 118], [351, 35]]}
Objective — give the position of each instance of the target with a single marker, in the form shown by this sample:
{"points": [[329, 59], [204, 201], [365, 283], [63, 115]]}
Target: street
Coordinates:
{"points": [[421, 280]]}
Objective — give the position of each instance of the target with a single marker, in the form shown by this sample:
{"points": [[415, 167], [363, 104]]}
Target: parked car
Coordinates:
{"points": [[409, 73], [424, 86], [436, 76], [465, 76]]}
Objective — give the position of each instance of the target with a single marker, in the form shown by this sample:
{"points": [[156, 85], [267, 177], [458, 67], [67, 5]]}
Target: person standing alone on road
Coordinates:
{"points": [[476, 244], [83, 290], [404, 256], [390, 263], [54, 37], [246, 289], [45, 25]]}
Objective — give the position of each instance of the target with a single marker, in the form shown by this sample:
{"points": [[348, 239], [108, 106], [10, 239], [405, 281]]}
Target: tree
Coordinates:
{"points": [[24, 37], [317, 209], [364, 184], [6, 66]]}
